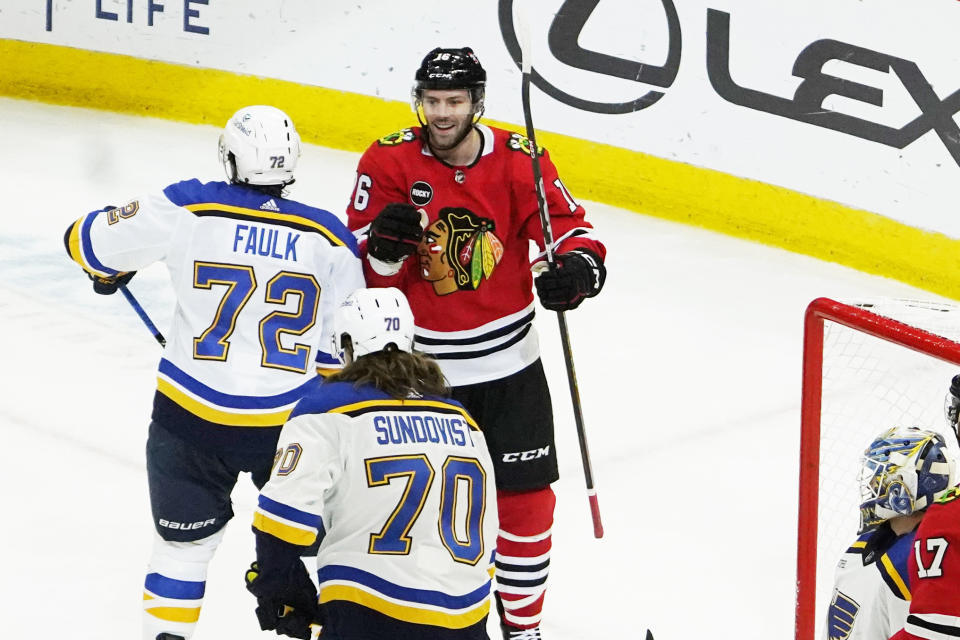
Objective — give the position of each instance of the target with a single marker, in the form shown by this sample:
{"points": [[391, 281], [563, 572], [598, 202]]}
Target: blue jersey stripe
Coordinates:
{"points": [[88, 246], [421, 596], [169, 588], [221, 399], [290, 513], [334, 395], [324, 358], [190, 192]]}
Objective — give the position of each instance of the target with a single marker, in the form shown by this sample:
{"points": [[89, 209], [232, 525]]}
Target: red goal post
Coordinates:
{"points": [[908, 333]]}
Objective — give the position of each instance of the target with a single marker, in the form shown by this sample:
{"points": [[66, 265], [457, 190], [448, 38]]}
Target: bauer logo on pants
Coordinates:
{"points": [[186, 526]]}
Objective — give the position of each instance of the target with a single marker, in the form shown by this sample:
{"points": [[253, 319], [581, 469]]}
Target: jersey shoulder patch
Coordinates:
{"points": [[397, 138], [949, 495], [518, 142], [841, 615]]}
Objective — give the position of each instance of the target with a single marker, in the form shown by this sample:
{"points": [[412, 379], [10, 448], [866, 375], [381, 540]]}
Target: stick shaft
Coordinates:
{"points": [[561, 318], [143, 315]]}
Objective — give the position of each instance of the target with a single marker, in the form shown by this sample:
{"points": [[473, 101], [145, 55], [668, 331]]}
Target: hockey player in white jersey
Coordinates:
{"points": [[257, 279], [396, 479], [903, 471]]}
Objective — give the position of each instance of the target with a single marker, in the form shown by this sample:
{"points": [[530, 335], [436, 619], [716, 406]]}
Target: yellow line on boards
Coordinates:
{"points": [[593, 171]]}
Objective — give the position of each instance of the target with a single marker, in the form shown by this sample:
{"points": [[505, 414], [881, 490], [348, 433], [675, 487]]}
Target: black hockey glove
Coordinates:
{"points": [[395, 233], [108, 286], [286, 603], [577, 275]]}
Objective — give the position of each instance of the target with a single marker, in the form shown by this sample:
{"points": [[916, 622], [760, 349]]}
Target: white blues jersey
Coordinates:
{"points": [[257, 280], [871, 596], [405, 492]]}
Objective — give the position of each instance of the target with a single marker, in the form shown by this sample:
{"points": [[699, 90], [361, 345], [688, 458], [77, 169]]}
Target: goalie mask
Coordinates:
{"points": [[903, 470], [372, 320], [260, 146]]}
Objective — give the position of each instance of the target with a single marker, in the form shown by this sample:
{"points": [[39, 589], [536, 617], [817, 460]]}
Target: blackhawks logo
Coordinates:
{"points": [[398, 137], [458, 251], [949, 495], [517, 142]]}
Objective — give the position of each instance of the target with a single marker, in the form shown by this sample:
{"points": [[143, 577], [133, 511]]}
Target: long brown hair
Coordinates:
{"points": [[396, 373]]}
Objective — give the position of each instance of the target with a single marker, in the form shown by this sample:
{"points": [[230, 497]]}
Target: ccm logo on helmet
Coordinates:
{"points": [[186, 526], [524, 456], [421, 193]]}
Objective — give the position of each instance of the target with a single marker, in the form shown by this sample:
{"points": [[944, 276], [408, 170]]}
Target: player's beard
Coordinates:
{"points": [[449, 139]]}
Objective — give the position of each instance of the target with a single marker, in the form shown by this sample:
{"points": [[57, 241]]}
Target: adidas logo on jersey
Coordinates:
{"points": [[270, 205]]}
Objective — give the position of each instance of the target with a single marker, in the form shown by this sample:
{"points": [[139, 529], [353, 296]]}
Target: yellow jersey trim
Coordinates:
{"points": [[268, 215], [76, 252], [427, 404], [175, 614], [73, 242], [285, 532], [405, 613], [895, 576], [270, 419]]}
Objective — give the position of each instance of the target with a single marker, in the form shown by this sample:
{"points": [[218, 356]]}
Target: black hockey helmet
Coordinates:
{"points": [[451, 69]]}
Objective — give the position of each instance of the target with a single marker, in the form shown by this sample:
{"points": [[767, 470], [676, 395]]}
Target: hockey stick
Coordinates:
{"points": [[143, 315], [526, 67]]}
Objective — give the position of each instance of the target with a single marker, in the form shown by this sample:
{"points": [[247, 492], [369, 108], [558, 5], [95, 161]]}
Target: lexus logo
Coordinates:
{"points": [[936, 114], [806, 105], [563, 40]]}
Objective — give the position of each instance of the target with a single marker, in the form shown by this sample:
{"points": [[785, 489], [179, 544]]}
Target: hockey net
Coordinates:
{"points": [[867, 366]]}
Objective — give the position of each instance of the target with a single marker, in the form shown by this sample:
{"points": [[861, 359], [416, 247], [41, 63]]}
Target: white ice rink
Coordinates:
{"points": [[689, 365]]}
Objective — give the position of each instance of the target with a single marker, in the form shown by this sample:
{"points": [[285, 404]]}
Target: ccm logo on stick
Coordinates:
{"points": [[523, 456]]}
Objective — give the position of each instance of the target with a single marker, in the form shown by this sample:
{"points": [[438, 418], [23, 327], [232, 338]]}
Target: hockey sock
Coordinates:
{"points": [[523, 554], [174, 587]]}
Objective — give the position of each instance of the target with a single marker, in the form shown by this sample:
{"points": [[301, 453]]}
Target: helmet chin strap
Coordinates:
{"points": [[230, 166]]}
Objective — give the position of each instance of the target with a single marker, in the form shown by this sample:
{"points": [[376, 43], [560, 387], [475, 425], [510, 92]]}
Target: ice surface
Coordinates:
{"points": [[689, 370]]}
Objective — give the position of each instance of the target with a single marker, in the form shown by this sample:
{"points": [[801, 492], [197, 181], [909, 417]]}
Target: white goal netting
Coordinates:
{"points": [[870, 384]]}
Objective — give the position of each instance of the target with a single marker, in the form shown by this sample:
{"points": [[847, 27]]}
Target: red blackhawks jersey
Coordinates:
{"points": [[469, 283], [935, 573]]}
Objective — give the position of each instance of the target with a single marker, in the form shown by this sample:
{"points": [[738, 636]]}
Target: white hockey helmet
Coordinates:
{"points": [[260, 146], [372, 320], [903, 471]]}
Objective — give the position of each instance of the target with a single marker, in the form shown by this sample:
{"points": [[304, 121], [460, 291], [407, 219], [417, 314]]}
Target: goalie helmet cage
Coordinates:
{"points": [[866, 367]]}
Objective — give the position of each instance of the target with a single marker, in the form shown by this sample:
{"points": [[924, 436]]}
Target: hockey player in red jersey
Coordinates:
{"points": [[934, 566], [446, 212]]}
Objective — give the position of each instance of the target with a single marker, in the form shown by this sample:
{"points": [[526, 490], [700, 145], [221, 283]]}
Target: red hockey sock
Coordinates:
{"points": [[523, 553]]}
